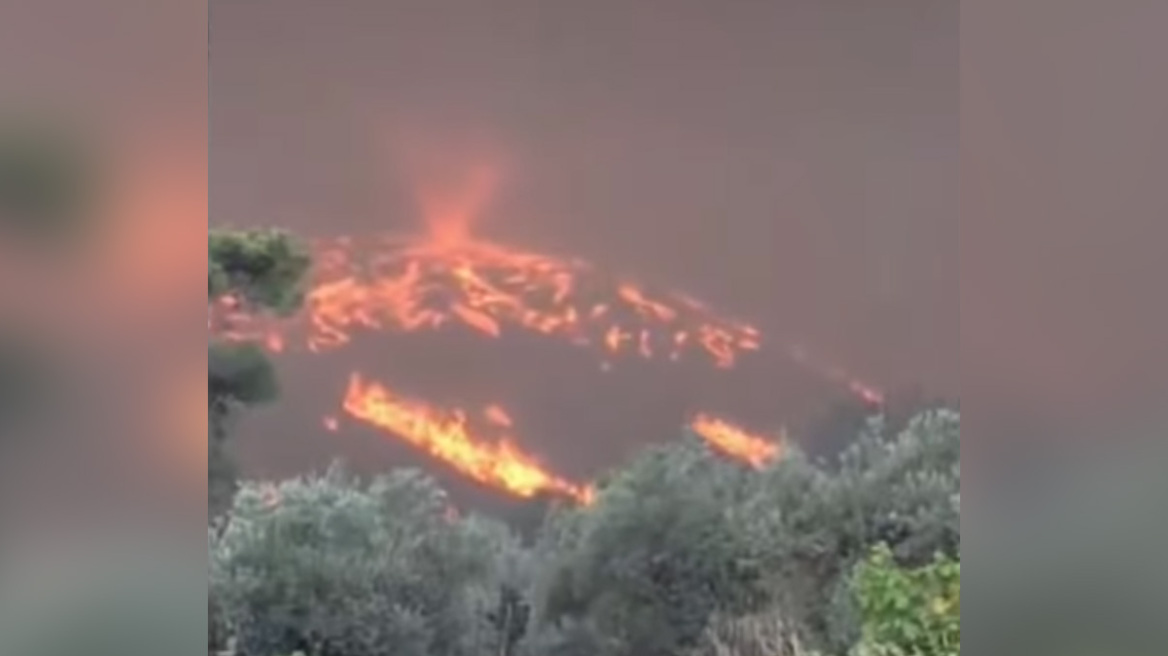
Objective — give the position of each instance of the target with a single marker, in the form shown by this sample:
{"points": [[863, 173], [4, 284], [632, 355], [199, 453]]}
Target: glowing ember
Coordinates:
{"points": [[446, 278], [449, 437], [425, 284], [735, 442]]}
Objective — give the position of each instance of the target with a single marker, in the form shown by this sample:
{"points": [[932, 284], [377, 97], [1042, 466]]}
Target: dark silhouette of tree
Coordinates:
{"points": [[264, 270]]}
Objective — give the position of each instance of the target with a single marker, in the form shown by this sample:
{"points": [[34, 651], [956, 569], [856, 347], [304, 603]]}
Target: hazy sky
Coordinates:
{"points": [[1063, 235], [793, 162]]}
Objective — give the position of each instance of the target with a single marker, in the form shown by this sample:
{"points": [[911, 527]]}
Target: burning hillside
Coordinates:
{"points": [[458, 439], [404, 285], [446, 278]]}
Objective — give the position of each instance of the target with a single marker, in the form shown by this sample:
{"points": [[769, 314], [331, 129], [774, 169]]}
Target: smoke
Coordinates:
{"points": [[749, 155]]}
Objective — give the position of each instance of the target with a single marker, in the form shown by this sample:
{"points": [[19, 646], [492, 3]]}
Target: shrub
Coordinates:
{"points": [[328, 567], [659, 552], [683, 552], [767, 633], [909, 612], [814, 523]]}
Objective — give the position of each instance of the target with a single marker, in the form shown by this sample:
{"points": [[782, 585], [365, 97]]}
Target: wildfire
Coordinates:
{"points": [[447, 277], [437, 280], [735, 441], [449, 437]]}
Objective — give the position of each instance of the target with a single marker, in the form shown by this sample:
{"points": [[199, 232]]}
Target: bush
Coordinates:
{"points": [[659, 552], [814, 523], [906, 612], [767, 633], [328, 567], [682, 552]]}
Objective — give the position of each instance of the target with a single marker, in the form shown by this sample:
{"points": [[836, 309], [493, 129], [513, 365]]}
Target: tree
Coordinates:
{"points": [[901, 489], [264, 271], [329, 567], [682, 552], [662, 549], [909, 612]]}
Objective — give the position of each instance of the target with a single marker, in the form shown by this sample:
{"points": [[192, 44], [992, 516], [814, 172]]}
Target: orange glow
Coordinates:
{"points": [[498, 416], [448, 278], [735, 441], [406, 285], [449, 437], [450, 214]]}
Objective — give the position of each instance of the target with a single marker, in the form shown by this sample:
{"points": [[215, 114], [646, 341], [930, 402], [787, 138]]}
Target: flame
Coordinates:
{"points": [[447, 277], [407, 285], [451, 213], [735, 441], [449, 437]]}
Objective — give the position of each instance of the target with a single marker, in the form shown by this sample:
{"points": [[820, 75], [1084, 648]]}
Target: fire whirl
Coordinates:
{"points": [[447, 277]]}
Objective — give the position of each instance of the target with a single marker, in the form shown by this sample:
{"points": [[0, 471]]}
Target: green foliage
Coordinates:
{"points": [[683, 552], [264, 267], [662, 549], [817, 522], [909, 612], [329, 567], [266, 270], [240, 373], [766, 633]]}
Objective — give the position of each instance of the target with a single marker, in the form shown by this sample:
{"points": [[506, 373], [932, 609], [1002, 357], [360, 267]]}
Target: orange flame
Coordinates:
{"points": [[448, 437], [428, 283], [446, 277], [439, 280], [735, 442]]}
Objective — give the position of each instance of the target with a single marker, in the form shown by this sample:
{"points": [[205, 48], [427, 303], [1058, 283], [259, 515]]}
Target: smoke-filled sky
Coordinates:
{"points": [[794, 163], [1063, 205]]}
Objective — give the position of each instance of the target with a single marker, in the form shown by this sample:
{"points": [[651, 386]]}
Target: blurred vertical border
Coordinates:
{"points": [[103, 202], [1062, 327]]}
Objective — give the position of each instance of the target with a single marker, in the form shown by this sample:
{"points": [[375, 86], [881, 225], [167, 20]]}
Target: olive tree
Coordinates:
{"points": [[817, 520], [327, 566], [660, 551]]}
